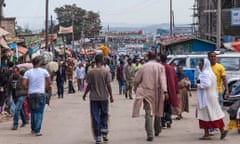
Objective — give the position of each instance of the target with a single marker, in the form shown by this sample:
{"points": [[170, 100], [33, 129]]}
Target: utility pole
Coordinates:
{"points": [[51, 25], [171, 21], [2, 4], [46, 27], [72, 31], [219, 23]]}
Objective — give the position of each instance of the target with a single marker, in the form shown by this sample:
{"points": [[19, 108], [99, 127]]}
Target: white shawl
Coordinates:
{"points": [[205, 82], [208, 106]]}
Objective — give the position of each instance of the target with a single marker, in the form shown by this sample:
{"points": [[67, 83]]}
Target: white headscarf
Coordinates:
{"points": [[207, 67], [205, 82]]}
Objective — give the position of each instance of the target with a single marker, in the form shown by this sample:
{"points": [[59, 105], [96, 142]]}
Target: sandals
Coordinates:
{"points": [[223, 135]]}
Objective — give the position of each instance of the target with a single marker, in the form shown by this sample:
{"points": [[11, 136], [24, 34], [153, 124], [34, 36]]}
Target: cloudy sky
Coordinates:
{"points": [[31, 13]]}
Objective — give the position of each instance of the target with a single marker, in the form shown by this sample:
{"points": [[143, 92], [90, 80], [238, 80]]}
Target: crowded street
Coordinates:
{"points": [[68, 122], [120, 72]]}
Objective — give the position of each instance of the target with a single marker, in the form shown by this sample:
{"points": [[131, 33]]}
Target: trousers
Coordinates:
{"points": [[149, 126]]}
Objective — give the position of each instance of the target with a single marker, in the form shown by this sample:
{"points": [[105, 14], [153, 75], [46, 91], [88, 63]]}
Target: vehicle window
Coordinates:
{"points": [[179, 61], [194, 62], [230, 64]]}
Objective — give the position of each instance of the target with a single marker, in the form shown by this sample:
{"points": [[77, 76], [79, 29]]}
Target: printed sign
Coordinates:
{"points": [[235, 17]]}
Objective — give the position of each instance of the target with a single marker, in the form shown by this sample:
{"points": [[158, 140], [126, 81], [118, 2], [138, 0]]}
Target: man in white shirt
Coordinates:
{"points": [[36, 80], [80, 74]]}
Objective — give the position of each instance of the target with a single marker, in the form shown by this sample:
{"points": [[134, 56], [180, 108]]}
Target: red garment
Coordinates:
{"points": [[172, 85], [26, 108], [211, 124], [120, 72]]}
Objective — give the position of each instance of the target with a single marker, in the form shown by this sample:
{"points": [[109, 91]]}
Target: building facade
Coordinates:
{"points": [[9, 25], [205, 18]]}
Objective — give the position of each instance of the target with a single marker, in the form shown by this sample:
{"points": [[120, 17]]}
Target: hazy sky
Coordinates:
{"points": [[31, 13]]}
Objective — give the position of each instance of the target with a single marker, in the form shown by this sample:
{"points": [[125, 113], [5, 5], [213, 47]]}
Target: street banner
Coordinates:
{"points": [[34, 49], [65, 30], [14, 46]]}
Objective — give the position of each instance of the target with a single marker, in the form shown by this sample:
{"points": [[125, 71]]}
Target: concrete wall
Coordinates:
{"points": [[9, 25]]}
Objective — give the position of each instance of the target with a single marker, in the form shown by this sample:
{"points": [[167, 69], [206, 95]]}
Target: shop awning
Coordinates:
{"points": [[3, 32], [88, 53], [3, 43], [22, 50]]}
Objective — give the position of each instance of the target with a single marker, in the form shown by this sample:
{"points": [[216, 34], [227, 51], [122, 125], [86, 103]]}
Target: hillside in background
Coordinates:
{"points": [[148, 29]]}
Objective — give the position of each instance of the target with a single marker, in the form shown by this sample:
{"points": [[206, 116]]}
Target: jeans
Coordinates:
{"points": [[113, 75], [19, 111], [99, 115], [221, 100], [121, 86], [60, 89], [37, 104], [70, 87]]}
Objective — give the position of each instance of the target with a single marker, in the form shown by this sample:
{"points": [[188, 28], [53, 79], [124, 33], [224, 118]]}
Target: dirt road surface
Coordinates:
{"points": [[68, 122]]}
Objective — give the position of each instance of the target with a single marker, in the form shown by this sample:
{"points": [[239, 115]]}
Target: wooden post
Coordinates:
{"points": [[46, 27]]}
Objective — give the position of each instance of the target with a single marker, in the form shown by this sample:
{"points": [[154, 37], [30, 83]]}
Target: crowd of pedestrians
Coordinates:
{"points": [[162, 89]]}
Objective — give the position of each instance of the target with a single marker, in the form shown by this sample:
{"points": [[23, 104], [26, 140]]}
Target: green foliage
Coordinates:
{"points": [[85, 23], [21, 30]]}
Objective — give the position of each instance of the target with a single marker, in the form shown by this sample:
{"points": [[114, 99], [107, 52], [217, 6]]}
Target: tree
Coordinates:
{"points": [[85, 23], [21, 30], [92, 24]]}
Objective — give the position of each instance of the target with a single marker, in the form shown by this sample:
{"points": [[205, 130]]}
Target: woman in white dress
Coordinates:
{"points": [[209, 112]]}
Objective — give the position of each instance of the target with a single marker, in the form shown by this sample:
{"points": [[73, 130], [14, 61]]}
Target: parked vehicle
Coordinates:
{"points": [[234, 95], [231, 62]]}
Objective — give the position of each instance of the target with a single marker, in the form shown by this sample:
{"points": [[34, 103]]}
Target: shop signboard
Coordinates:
{"points": [[12, 45], [235, 17], [34, 49]]}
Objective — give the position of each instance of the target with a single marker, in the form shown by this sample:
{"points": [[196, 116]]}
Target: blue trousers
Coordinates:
{"points": [[121, 86], [37, 104], [99, 115], [19, 111]]}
